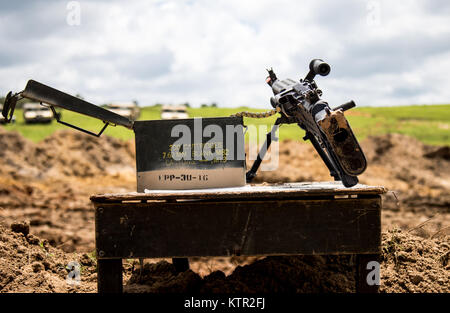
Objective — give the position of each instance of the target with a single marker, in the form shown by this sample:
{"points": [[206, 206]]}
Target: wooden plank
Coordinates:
{"points": [[196, 228], [109, 275], [273, 191]]}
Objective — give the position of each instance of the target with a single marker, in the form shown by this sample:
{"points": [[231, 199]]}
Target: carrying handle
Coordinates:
{"points": [[58, 119], [54, 98]]}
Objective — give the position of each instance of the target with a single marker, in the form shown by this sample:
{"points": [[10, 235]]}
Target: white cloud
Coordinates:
{"points": [[217, 51]]}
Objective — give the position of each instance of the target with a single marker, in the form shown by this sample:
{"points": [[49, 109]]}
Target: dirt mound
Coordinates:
{"points": [[30, 264], [408, 165], [297, 162], [64, 153], [269, 275], [49, 184], [412, 264], [409, 264], [419, 175], [441, 153]]}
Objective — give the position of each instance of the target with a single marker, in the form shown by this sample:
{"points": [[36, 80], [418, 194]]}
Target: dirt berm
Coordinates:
{"points": [[48, 184], [409, 264]]}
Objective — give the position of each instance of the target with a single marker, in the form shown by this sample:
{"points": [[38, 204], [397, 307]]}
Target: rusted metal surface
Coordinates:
{"points": [[273, 191]]}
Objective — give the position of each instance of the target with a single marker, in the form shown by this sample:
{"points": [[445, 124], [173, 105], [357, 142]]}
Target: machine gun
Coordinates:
{"points": [[328, 130]]}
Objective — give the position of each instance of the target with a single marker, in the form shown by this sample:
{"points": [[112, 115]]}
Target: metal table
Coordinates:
{"points": [[276, 219]]}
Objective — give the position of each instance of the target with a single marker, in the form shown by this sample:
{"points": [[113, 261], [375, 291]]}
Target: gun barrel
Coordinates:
{"points": [[346, 106]]}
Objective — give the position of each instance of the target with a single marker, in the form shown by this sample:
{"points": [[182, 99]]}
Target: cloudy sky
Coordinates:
{"points": [[200, 51]]}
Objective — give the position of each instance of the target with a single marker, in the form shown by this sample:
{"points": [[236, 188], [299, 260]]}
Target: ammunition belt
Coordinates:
{"points": [[257, 114]]}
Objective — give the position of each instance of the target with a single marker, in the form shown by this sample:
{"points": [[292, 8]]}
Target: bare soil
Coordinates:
{"points": [[47, 221]]}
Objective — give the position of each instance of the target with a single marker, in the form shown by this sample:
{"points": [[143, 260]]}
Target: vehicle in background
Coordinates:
{"points": [[2, 119], [169, 112], [129, 110], [34, 112]]}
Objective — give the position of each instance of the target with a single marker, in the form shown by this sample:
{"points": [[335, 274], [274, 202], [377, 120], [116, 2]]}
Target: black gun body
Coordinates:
{"points": [[290, 94]]}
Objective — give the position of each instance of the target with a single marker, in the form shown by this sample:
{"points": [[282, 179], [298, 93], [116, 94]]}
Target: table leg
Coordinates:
{"points": [[109, 275], [181, 264], [367, 273]]}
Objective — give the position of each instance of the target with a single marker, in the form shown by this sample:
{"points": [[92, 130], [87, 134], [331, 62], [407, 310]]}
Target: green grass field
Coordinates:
{"points": [[430, 124]]}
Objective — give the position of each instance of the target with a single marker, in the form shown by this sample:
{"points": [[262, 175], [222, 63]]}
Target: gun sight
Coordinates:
{"points": [[317, 67]]}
